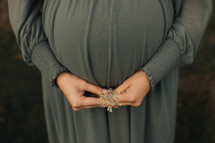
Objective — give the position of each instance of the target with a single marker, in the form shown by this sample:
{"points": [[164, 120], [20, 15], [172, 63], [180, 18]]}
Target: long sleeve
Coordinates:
{"points": [[183, 38], [26, 21]]}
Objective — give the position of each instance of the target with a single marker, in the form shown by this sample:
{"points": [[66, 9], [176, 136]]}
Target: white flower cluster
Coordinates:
{"points": [[109, 99]]}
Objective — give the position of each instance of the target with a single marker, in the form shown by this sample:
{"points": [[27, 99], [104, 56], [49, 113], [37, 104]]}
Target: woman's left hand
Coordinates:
{"points": [[134, 89]]}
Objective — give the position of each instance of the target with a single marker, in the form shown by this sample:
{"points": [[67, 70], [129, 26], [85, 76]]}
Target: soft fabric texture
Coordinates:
{"points": [[105, 42]]}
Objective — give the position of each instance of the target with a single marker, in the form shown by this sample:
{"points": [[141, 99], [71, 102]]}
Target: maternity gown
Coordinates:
{"points": [[105, 42]]}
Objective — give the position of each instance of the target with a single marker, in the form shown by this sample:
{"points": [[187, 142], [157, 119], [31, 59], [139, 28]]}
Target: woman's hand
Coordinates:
{"points": [[134, 89], [74, 88]]}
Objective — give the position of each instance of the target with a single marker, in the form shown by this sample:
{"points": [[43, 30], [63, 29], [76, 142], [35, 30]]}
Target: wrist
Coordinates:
{"points": [[146, 78], [61, 76]]}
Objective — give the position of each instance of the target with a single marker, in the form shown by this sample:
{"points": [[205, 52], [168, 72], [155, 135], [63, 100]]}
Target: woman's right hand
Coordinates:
{"points": [[74, 88]]}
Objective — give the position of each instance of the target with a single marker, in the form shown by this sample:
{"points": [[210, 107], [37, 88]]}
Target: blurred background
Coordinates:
{"points": [[21, 106]]}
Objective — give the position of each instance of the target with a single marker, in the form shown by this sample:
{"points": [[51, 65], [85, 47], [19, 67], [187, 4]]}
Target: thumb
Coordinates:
{"points": [[122, 87], [93, 88]]}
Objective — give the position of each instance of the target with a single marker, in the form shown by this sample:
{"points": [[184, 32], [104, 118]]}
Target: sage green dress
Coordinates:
{"points": [[104, 42]]}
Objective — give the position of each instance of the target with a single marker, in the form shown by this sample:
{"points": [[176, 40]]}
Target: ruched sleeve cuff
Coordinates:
{"points": [[163, 61], [176, 50], [45, 61]]}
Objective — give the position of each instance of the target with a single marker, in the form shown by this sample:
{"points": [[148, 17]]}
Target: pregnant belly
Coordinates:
{"points": [[104, 42]]}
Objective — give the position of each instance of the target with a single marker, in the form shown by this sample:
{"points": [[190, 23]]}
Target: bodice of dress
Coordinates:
{"points": [[105, 42], [117, 23]]}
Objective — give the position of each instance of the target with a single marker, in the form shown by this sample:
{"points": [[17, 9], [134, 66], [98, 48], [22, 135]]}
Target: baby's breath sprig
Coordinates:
{"points": [[109, 99]]}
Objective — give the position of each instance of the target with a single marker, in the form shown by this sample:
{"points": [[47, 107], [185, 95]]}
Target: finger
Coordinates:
{"points": [[93, 88], [88, 101], [123, 97], [84, 107], [122, 87], [87, 107], [125, 103]]}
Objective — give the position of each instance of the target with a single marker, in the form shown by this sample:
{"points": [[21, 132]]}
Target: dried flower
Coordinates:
{"points": [[109, 99]]}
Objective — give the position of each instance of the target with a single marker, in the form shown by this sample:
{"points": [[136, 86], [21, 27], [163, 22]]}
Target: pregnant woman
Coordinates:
{"points": [[132, 46]]}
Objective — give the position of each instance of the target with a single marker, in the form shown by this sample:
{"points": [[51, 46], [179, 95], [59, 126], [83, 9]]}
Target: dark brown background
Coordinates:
{"points": [[21, 104]]}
